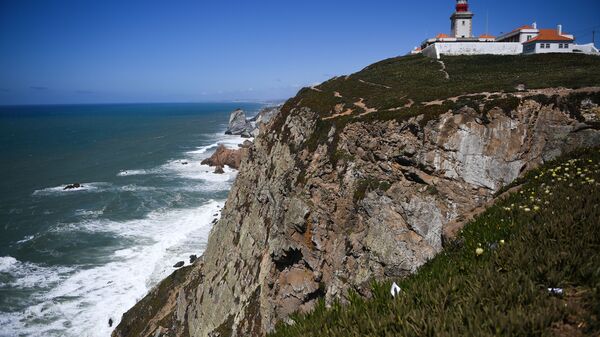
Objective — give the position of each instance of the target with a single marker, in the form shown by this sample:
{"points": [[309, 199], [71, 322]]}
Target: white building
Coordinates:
{"points": [[523, 40]]}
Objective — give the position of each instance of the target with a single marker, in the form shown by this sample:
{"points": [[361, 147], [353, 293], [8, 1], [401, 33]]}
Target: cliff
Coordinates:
{"points": [[366, 177]]}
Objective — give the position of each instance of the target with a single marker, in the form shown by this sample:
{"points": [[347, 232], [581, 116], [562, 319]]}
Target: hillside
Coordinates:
{"points": [[367, 177], [531, 240]]}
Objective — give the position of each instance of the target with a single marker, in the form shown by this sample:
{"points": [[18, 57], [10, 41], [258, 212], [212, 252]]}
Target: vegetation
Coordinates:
{"points": [[390, 85], [398, 88], [494, 279]]}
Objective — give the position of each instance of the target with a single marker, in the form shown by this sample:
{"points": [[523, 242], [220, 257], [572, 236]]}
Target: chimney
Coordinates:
{"points": [[534, 25], [559, 29]]}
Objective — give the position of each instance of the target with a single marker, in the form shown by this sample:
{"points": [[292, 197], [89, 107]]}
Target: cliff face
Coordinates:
{"points": [[327, 200]]}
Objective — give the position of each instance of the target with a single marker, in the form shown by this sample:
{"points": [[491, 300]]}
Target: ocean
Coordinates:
{"points": [[70, 260]]}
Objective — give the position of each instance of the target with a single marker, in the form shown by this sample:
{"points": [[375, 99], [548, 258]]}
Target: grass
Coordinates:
{"points": [[397, 87], [546, 235], [392, 83]]}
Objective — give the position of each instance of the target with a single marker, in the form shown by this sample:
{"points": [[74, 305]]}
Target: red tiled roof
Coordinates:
{"points": [[523, 27], [549, 35], [487, 36], [441, 36]]}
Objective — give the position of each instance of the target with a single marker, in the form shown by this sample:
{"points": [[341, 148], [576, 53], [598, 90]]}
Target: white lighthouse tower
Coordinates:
{"points": [[462, 20]]}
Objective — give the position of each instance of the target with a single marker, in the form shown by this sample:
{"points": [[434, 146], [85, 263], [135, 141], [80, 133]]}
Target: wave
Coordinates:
{"points": [[80, 301]]}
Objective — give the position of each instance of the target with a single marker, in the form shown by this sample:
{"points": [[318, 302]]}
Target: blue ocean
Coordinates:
{"points": [[70, 260]]}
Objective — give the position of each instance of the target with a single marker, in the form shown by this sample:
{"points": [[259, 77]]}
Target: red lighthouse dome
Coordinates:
{"points": [[462, 6]]}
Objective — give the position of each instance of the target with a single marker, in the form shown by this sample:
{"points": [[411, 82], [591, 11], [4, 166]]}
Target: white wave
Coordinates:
{"points": [[89, 213], [127, 173], [85, 187], [229, 141], [26, 275], [203, 149], [27, 238], [90, 296]]}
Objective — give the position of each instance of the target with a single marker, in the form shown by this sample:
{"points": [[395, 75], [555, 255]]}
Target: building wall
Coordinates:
{"points": [[463, 28], [473, 48], [554, 48]]}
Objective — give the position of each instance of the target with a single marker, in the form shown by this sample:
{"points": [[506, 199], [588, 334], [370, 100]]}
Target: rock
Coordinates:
{"points": [[246, 144], [246, 134], [266, 114], [178, 264], [224, 156], [184, 163], [193, 258], [520, 87], [219, 169], [73, 186], [110, 322], [283, 239], [238, 123]]}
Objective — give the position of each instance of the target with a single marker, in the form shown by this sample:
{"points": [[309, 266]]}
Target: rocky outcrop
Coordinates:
{"points": [[239, 125], [310, 219], [224, 156]]}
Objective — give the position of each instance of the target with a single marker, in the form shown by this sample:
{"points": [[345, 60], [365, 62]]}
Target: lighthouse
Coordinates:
{"points": [[462, 20]]}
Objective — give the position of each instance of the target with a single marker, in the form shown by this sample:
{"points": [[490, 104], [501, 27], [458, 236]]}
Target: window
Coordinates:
{"points": [[543, 45], [547, 45], [529, 37], [463, 23]]}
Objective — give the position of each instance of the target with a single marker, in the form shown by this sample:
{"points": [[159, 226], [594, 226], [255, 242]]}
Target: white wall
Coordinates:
{"points": [[554, 48], [473, 48], [586, 48]]}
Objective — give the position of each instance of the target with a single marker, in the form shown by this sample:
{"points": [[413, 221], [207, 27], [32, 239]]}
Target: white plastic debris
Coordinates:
{"points": [[555, 291], [395, 290]]}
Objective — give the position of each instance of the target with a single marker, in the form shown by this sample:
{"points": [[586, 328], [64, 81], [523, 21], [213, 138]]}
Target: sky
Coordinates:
{"points": [[117, 51]]}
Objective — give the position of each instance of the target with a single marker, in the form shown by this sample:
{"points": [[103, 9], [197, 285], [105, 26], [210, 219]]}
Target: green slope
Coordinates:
{"points": [[551, 233]]}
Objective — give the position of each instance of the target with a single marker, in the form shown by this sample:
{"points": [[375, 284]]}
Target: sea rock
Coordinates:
{"points": [[73, 186], [246, 144], [238, 124], [224, 156], [178, 264], [248, 128], [218, 169], [193, 258]]}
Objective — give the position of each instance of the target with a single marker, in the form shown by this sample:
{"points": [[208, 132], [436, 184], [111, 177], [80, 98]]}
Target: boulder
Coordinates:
{"points": [[178, 264], [238, 123], [246, 144], [224, 156], [219, 170], [73, 186], [193, 258]]}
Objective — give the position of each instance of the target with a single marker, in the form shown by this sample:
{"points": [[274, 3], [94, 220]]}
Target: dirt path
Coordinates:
{"points": [[375, 84], [443, 70]]}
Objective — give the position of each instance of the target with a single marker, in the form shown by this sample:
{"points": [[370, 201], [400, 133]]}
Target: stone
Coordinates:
{"points": [[238, 123], [219, 169], [73, 186], [224, 156], [178, 264], [193, 258]]}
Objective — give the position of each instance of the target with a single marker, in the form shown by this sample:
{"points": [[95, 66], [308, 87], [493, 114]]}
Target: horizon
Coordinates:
{"points": [[147, 52]]}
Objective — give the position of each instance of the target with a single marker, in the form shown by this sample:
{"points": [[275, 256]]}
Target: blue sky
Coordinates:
{"points": [[81, 51]]}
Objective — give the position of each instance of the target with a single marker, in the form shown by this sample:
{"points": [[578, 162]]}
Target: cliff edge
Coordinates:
{"points": [[366, 177]]}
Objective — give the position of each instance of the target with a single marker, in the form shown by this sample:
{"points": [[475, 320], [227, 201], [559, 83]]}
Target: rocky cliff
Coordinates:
{"points": [[365, 177]]}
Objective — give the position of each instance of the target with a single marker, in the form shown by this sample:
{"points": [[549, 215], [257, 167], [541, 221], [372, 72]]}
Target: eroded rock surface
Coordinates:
{"points": [[224, 156], [370, 201]]}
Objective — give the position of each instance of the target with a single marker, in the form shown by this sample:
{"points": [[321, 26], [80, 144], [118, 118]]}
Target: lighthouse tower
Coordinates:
{"points": [[462, 20]]}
